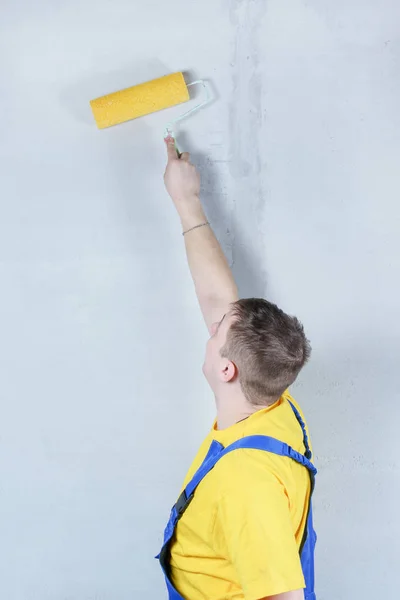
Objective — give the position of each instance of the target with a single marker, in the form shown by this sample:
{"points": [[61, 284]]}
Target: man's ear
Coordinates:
{"points": [[229, 371]]}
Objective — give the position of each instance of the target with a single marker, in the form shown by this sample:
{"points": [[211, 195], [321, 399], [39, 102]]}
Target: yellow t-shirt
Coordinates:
{"points": [[240, 536]]}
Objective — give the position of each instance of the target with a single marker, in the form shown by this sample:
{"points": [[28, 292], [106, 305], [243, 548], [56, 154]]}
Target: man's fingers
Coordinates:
{"points": [[171, 150], [173, 154]]}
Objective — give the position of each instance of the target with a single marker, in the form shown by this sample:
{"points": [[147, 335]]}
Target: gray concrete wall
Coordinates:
{"points": [[102, 397]]}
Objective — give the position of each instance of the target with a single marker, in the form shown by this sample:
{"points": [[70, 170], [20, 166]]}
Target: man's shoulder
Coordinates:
{"points": [[280, 422], [243, 466], [247, 468]]}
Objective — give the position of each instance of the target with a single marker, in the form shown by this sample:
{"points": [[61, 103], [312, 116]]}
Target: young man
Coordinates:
{"points": [[242, 526]]}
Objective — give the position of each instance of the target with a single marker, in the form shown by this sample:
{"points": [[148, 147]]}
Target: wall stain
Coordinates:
{"points": [[245, 107], [245, 164]]}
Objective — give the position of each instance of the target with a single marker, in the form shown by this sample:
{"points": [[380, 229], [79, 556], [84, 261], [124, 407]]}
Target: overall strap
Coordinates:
{"points": [[308, 453], [252, 442]]}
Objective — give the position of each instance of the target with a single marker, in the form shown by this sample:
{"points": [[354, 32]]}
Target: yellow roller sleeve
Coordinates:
{"points": [[139, 100]]}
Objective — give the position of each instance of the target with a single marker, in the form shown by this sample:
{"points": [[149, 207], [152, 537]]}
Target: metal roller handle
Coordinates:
{"points": [[169, 129]]}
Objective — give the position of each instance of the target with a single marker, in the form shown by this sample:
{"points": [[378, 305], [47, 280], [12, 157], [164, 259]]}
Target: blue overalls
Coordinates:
{"points": [[215, 453]]}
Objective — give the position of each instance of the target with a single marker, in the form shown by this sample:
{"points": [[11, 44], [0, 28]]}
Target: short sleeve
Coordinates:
{"points": [[255, 523]]}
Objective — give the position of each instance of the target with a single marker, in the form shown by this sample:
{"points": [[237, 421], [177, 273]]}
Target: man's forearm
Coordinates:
{"points": [[213, 279]]}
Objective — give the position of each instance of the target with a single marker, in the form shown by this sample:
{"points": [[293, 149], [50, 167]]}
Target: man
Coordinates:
{"points": [[242, 527]]}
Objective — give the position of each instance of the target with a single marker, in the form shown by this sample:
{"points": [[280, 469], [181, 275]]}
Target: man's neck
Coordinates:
{"points": [[232, 410]]}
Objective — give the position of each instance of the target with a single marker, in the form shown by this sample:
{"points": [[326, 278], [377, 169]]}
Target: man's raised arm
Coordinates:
{"points": [[213, 280]]}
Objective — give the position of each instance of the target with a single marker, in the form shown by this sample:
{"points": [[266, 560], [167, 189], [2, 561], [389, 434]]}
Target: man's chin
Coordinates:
{"points": [[205, 373]]}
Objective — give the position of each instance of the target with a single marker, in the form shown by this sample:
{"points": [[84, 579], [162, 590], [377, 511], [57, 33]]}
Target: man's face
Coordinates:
{"points": [[214, 363]]}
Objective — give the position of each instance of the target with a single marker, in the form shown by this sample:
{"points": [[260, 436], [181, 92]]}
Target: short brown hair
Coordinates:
{"points": [[268, 347]]}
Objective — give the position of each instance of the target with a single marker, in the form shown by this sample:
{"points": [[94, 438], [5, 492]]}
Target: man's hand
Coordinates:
{"points": [[181, 178], [183, 185], [215, 287]]}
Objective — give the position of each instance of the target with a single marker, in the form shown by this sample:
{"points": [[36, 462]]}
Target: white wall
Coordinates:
{"points": [[102, 397]]}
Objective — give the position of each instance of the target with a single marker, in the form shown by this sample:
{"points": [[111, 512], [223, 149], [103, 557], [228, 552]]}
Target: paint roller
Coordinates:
{"points": [[146, 98]]}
